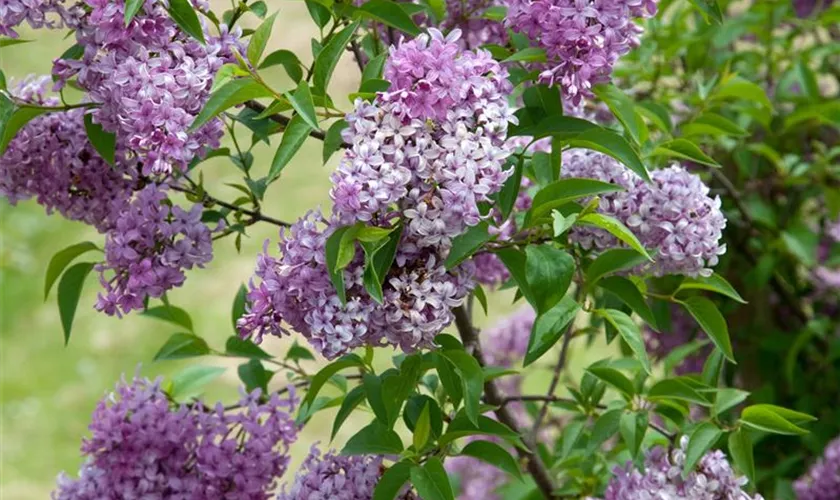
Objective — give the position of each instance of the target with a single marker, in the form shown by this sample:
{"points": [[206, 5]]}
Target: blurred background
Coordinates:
{"points": [[48, 391]]}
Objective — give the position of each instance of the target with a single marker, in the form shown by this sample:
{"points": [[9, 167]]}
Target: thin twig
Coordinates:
{"points": [[357, 53], [493, 397], [555, 379], [284, 120], [207, 199]]}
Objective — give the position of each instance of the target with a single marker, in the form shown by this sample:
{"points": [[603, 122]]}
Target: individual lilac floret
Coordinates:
{"points": [[50, 159], [418, 293], [332, 476], [683, 330], [150, 79], [583, 39], [148, 250], [673, 215], [822, 481], [141, 446], [52, 14], [711, 479]]}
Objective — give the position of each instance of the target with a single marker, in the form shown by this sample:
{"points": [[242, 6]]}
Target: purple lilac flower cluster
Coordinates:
{"points": [[142, 447], [822, 481], [826, 277], [582, 39], [51, 160], [683, 330], [147, 251], [332, 476], [37, 14], [673, 215], [712, 478], [805, 8], [150, 79], [431, 148]]}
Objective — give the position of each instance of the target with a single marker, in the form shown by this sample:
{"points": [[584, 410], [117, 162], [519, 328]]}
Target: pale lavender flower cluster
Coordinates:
{"points": [[418, 293], [805, 8], [683, 330], [827, 278], [478, 480], [822, 481], [143, 447], [711, 479], [37, 14], [583, 39], [50, 159], [673, 215], [150, 79], [148, 249], [332, 476]]}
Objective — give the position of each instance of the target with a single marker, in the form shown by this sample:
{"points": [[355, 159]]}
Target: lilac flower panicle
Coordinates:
{"points": [[673, 215], [150, 80], [148, 250], [335, 477], [711, 479], [822, 481], [583, 39], [52, 14], [143, 447], [50, 159], [478, 480]]}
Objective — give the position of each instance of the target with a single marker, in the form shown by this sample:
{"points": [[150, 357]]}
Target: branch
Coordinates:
{"points": [[555, 379], [207, 199], [284, 120], [493, 397], [357, 53]]}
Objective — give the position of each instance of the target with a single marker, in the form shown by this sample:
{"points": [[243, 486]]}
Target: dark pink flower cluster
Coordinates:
{"points": [[148, 249], [583, 39], [50, 159], [150, 79], [142, 446]]}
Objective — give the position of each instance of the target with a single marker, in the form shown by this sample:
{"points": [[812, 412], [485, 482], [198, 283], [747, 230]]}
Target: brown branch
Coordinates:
{"points": [[555, 379], [358, 54], [493, 397], [284, 120], [210, 200]]}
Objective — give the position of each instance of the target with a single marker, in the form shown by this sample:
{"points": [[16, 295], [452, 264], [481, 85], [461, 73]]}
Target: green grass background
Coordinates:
{"points": [[48, 391]]}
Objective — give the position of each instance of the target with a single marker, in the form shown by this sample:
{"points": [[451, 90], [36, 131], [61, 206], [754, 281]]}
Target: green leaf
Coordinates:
{"points": [[431, 481], [389, 13], [293, 138], [712, 368], [182, 345], [105, 143], [493, 454], [242, 348], [679, 354], [506, 198], [685, 149], [232, 93], [614, 378], [328, 57], [378, 260], [605, 428], [741, 451], [549, 327], [61, 260], [301, 100], [701, 441], [514, 260], [632, 427], [422, 429], [259, 39], [172, 314], [374, 439], [714, 125], [298, 352], [709, 9], [238, 308], [13, 118], [350, 402], [680, 388], [624, 110], [711, 321], [464, 245], [449, 379], [529, 54], [657, 114], [290, 62], [321, 378], [611, 261], [373, 392], [611, 144], [740, 88], [616, 228], [766, 418], [333, 139], [392, 481], [254, 375], [627, 291], [478, 293], [570, 436], [319, 13], [728, 398], [462, 427], [714, 283], [69, 291], [472, 378], [182, 12], [259, 9], [562, 224], [561, 127], [373, 69], [793, 416], [189, 381], [132, 7], [548, 271], [629, 332], [561, 192]]}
